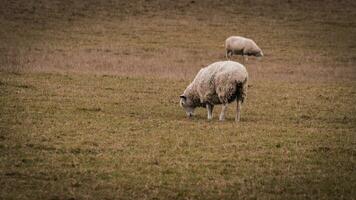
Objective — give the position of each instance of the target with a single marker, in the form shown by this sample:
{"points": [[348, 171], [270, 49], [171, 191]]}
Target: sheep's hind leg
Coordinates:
{"points": [[222, 114], [210, 108], [238, 110], [228, 54]]}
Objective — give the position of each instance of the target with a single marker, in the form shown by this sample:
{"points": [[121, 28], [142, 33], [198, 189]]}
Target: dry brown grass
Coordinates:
{"points": [[109, 137], [103, 121], [302, 40]]}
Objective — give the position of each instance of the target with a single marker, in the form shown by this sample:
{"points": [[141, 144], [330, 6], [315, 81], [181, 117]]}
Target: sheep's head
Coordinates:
{"points": [[259, 53], [187, 104]]}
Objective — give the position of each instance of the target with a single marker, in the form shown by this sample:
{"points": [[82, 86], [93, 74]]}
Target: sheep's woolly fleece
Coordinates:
{"points": [[242, 46], [218, 83]]}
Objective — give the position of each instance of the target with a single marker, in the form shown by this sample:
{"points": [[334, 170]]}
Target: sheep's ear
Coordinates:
{"points": [[183, 100]]}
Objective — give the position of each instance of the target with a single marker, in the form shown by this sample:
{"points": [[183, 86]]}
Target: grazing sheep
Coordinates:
{"points": [[219, 83], [237, 45]]}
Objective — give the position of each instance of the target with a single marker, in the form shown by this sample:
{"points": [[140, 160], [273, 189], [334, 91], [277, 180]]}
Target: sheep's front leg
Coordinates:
{"points": [[244, 59], [238, 110], [210, 107], [222, 114]]}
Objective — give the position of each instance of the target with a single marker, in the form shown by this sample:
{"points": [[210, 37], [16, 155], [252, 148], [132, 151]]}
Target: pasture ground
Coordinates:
{"points": [[89, 101]]}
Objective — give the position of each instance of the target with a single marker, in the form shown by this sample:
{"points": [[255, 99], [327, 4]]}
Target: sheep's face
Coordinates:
{"points": [[259, 54], [187, 104]]}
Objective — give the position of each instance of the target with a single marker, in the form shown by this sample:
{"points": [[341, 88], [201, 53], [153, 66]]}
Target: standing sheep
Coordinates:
{"points": [[237, 45], [219, 83]]}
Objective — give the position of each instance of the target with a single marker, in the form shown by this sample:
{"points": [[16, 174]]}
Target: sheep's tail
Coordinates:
{"points": [[241, 90]]}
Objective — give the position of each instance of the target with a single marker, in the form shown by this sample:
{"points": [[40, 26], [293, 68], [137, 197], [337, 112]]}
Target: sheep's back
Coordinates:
{"points": [[223, 75], [235, 43]]}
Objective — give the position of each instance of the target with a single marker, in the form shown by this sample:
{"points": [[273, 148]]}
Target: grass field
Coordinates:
{"points": [[89, 97]]}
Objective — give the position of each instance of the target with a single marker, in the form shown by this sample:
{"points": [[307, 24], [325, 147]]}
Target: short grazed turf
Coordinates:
{"points": [[89, 95], [98, 137]]}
